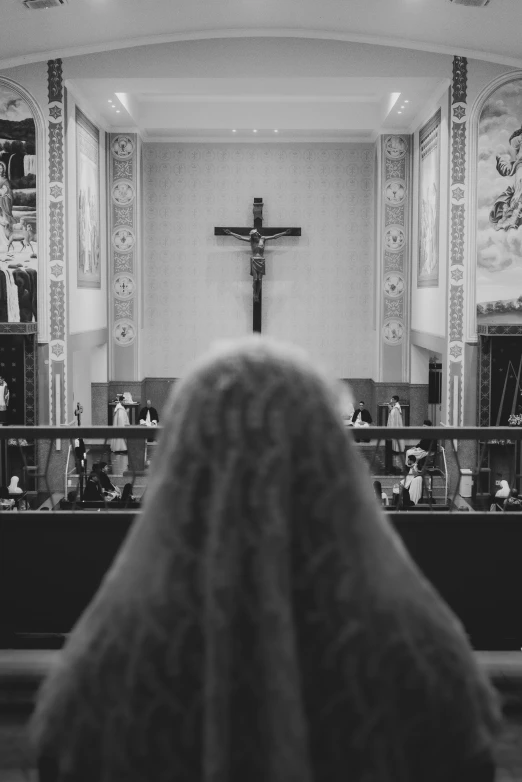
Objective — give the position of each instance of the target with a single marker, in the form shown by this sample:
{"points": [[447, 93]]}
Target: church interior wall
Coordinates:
{"points": [[318, 288], [297, 57]]}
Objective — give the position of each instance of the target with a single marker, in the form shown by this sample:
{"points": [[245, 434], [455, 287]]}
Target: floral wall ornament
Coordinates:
{"points": [[395, 147], [393, 285], [395, 192], [394, 238], [393, 331], [123, 147]]}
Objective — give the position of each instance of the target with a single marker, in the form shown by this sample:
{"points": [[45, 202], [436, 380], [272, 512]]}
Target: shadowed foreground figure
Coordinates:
{"points": [[262, 622]]}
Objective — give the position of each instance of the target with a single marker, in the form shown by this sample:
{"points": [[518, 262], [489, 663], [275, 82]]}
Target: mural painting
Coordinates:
{"points": [[429, 203], [88, 201], [18, 228], [499, 207]]}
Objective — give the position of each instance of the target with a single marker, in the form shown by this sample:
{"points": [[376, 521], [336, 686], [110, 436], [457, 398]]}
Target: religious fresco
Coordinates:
{"points": [[18, 209], [499, 207], [429, 203], [88, 201]]}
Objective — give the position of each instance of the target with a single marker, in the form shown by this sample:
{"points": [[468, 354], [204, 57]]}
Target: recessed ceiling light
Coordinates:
{"points": [[234, 131], [254, 131], [117, 111], [406, 101], [110, 101], [276, 131], [399, 112]]}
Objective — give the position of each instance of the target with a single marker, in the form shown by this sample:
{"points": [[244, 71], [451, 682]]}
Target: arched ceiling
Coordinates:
{"points": [[491, 32], [216, 105]]}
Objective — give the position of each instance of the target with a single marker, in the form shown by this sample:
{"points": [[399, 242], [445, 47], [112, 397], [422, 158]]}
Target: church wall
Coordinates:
{"points": [[317, 292]]}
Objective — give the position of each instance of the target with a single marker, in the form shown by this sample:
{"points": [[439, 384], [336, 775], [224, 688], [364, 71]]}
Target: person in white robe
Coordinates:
{"points": [[119, 418], [395, 421], [4, 401]]}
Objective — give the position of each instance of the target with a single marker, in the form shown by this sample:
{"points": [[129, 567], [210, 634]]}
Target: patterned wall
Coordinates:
{"points": [[123, 232], [395, 208], [57, 265], [318, 289], [455, 396]]}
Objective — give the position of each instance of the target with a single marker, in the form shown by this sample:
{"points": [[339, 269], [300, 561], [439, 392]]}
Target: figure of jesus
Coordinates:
{"points": [[257, 259]]}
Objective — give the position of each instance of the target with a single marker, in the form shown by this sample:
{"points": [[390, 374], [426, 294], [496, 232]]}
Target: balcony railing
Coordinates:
{"points": [[52, 563]]}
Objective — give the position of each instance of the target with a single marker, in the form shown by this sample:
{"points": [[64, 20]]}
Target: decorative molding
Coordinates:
{"points": [[56, 260], [19, 328], [395, 275], [455, 377], [484, 386], [499, 330], [123, 246]]}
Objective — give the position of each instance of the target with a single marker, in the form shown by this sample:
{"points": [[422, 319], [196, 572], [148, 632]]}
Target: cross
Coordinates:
{"points": [[257, 237]]}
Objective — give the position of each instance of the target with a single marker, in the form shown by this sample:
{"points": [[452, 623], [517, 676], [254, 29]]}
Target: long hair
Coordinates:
{"points": [[262, 622]]}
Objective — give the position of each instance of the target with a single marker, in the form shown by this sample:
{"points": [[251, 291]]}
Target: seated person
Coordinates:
{"points": [[361, 418], [411, 484], [381, 495], [127, 497], [421, 450], [93, 491], [108, 488], [502, 493], [513, 502]]}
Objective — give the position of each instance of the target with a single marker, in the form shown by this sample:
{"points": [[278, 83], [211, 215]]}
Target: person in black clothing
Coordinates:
{"points": [[100, 468], [423, 447], [149, 415], [361, 416], [93, 490], [513, 502]]}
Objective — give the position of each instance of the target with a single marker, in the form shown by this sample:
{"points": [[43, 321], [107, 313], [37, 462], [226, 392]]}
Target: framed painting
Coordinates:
{"points": [[88, 201], [18, 209], [499, 207], [429, 203]]}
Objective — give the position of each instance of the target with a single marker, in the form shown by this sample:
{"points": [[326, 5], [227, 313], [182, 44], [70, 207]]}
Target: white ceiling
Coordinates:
{"points": [[262, 109], [212, 108]]}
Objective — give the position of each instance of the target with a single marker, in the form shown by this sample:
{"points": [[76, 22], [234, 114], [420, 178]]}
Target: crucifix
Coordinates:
{"points": [[257, 237]]}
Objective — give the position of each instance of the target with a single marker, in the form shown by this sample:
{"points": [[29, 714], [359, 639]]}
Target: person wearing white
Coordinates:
{"points": [[119, 418], [13, 487], [4, 400]]}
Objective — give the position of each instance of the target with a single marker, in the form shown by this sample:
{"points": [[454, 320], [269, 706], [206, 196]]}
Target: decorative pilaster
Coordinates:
{"points": [[459, 110], [395, 207], [123, 230], [56, 261]]}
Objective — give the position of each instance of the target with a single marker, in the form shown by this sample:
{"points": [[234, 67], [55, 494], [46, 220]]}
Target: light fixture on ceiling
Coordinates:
{"points": [[276, 131], [406, 101], [234, 131], [117, 111], [476, 3], [254, 131], [43, 5], [109, 101], [399, 112]]}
